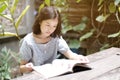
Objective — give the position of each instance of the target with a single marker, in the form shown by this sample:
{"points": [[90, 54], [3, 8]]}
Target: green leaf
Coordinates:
{"points": [[112, 8], [2, 0], [66, 28], [79, 27], [100, 2], [78, 1], [114, 35], [7, 57], [7, 34], [2, 8], [117, 2], [102, 18], [104, 46], [6, 16], [21, 16], [119, 9], [7, 76], [74, 43], [41, 6], [84, 19], [100, 8], [47, 2], [14, 5], [87, 35], [5, 68], [6, 3]]}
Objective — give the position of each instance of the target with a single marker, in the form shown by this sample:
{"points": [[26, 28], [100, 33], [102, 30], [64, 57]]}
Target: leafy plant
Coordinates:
{"points": [[63, 6], [7, 60], [46, 2], [78, 29], [11, 7], [105, 9], [108, 7]]}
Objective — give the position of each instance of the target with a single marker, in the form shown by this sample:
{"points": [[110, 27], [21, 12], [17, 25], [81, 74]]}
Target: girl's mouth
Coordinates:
{"points": [[48, 32]]}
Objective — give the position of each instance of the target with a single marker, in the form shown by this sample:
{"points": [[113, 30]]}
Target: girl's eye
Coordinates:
{"points": [[47, 25], [55, 26]]}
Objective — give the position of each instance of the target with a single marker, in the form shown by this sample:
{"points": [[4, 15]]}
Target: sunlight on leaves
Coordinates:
{"points": [[117, 2], [100, 8], [79, 27], [112, 8], [66, 28], [2, 7], [78, 1], [14, 5], [21, 16], [119, 9], [8, 34], [7, 16], [47, 2], [41, 6], [102, 18], [100, 2], [6, 3], [104, 46], [87, 35], [114, 35], [74, 43]]}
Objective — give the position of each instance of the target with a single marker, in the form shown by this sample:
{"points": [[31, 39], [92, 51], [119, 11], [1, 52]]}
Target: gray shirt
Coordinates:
{"points": [[40, 54]]}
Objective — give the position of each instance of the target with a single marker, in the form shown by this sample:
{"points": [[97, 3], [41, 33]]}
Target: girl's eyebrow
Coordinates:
{"points": [[47, 22]]}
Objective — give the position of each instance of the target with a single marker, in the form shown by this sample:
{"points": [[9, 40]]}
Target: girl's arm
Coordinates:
{"points": [[25, 67], [69, 54]]}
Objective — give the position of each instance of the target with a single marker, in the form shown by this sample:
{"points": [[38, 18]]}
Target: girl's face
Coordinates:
{"points": [[48, 26]]}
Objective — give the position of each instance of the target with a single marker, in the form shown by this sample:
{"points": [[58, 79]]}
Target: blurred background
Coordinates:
{"points": [[88, 25]]}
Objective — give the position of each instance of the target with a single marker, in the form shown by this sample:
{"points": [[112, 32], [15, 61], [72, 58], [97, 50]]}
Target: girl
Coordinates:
{"points": [[41, 46]]}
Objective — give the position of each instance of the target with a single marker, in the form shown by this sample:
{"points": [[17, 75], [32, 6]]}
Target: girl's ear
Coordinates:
{"points": [[39, 23]]}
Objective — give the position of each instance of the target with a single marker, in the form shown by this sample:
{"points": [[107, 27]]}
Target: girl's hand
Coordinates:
{"points": [[82, 58], [29, 66], [26, 68], [71, 55]]}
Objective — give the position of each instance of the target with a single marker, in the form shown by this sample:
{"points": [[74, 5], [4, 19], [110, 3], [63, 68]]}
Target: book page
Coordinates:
{"points": [[50, 70], [57, 67]]}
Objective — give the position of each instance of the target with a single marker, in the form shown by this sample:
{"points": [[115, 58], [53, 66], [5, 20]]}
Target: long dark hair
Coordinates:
{"points": [[48, 12]]}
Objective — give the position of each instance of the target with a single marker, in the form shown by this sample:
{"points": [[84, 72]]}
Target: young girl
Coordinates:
{"points": [[41, 46]]}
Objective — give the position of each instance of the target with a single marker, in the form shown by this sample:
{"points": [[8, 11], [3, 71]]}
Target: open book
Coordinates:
{"points": [[60, 67]]}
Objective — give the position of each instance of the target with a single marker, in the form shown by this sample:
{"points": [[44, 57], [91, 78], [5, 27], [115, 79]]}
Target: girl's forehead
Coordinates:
{"points": [[51, 20]]}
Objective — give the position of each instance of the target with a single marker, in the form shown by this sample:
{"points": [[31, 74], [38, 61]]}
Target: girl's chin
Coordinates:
{"points": [[47, 35]]}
